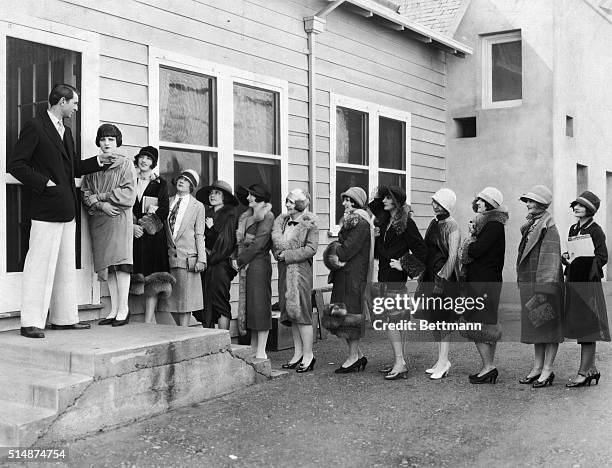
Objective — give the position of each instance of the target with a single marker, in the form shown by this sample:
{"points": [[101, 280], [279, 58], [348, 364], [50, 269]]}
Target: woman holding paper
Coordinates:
{"points": [[151, 275], [539, 276], [585, 306]]}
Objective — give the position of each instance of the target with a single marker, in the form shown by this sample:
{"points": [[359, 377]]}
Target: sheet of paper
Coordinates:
{"points": [[149, 204], [580, 246]]}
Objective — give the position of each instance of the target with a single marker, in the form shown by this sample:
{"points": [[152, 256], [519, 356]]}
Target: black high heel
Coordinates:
{"points": [[119, 323], [529, 380], [354, 367], [364, 361], [545, 382], [574, 384], [397, 375], [292, 365], [489, 377], [302, 368], [595, 377]]}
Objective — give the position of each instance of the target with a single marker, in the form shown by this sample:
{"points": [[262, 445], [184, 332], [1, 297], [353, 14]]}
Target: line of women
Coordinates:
{"points": [[552, 308], [182, 253]]}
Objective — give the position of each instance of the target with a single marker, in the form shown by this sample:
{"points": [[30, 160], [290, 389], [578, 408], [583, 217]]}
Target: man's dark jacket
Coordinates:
{"points": [[40, 155]]}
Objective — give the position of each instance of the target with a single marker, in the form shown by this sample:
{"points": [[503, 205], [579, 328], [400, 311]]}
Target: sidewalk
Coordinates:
{"points": [[324, 419]]}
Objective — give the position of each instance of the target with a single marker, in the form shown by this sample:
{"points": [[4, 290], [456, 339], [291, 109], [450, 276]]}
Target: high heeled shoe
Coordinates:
{"points": [[543, 383], [364, 362], [594, 377], [292, 365], [386, 369], [302, 368], [529, 380], [574, 384], [119, 323], [397, 375], [354, 367], [440, 374], [432, 369], [107, 321], [489, 377]]}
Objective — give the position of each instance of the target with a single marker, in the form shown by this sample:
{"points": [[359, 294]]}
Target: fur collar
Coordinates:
{"points": [[305, 222], [481, 219], [306, 218], [350, 220], [226, 211], [399, 222], [257, 215]]}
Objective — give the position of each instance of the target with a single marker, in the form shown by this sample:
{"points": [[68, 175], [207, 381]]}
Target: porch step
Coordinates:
{"points": [[38, 387], [21, 425], [75, 382]]}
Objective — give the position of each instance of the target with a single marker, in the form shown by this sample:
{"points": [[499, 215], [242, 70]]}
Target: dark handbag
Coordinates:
{"points": [[330, 257], [539, 311], [151, 223], [412, 265]]}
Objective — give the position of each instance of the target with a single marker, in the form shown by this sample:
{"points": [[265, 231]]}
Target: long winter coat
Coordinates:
{"points": [[112, 236], [539, 271], [350, 280], [586, 317], [217, 279], [151, 267], [254, 243], [483, 260], [299, 244]]}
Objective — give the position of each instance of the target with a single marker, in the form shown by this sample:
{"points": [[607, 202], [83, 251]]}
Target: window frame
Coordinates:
{"points": [[373, 112], [225, 77], [487, 69], [87, 44]]}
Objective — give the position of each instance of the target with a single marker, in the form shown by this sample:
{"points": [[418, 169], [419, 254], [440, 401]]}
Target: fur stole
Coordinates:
{"points": [[305, 222], [399, 223], [477, 223]]}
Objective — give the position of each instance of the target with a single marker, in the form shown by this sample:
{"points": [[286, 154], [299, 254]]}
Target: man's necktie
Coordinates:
{"points": [[173, 214], [61, 129]]}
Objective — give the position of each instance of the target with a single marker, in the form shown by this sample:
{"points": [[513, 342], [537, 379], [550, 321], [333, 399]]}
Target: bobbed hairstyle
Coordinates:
{"points": [[109, 130], [488, 206], [59, 91]]}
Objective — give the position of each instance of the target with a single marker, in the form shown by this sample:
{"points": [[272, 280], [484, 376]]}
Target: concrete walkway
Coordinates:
{"points": [[324, 419]]}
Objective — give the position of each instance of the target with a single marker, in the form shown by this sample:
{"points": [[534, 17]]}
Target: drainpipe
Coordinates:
{"points": [[314, 25]]}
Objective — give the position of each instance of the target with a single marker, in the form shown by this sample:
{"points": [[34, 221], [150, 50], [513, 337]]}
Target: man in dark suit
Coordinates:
{"points": [[44, 159]]}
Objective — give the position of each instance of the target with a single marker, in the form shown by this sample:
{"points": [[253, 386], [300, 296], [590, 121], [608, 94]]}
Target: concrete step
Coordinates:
{"points": [[38, 387], [103, 351], [21, 425], [245, 352]]}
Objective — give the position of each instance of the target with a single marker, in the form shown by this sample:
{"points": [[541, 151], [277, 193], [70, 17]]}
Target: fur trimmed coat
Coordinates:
{"points": [[482, 255], [299, 244], [253, 242], [538, 271], [350, 280], [399, 238]]}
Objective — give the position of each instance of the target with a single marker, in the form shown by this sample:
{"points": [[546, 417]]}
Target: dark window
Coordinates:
{"points": [[391, 144], [249, 171], [32, 69], [174, 161], [569, 126], [351, 136], [582, 178], [506, 71], [345, 178], [465, 127]]}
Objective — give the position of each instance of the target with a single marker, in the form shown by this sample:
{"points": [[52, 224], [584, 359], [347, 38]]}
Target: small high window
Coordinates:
{"points": [[465, 127], [569, 126]]}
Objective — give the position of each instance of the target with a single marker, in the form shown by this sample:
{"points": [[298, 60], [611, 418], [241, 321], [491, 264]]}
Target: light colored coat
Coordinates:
{"points": [[189, 240], [295, 272]]}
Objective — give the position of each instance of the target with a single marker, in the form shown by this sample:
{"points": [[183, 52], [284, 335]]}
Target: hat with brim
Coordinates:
{"points": [[257, 190], [357, 194], [395, 192], [204, 193], [538, 193], [191, 175], [589, 200]]}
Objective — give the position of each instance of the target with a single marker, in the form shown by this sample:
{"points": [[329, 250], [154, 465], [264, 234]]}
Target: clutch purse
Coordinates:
{"points": [[330, 257], [191, 263], [539, 311], [151, 223]]}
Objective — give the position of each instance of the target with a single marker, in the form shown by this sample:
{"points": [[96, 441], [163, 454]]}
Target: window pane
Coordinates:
{"points": [[186, 107], [389, 178], [391, 144], [506, 71], [256, 120], [351, 136], [28, 80], [346, 178], [261, 171], [172, 162]]}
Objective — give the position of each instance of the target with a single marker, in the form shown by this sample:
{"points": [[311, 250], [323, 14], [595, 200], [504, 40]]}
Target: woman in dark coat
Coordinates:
{"points": [[399, 247], [586, 318], [483, 259], [220, 234], [295, 239], [354, 256], [441, 274], [254, 263], [151, 275], [539, 277]]}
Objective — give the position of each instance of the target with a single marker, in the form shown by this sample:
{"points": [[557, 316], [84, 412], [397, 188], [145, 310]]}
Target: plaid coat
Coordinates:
{"points": [[539, 271]]}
